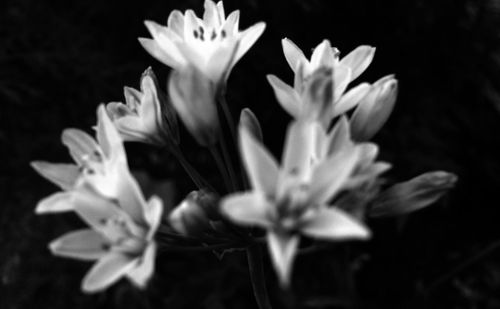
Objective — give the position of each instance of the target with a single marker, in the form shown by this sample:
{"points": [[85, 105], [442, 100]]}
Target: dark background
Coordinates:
{"points": [[60, 59]]}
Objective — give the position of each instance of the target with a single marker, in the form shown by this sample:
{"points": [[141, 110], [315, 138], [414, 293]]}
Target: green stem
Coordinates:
{"points": [[256, 269]]}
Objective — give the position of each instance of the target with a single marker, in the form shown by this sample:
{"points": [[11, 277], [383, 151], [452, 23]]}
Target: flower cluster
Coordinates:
{"points": [[328, 181]]}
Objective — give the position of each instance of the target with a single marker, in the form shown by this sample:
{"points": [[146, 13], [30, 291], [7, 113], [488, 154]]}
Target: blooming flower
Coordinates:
{"points": [[343, 71], [141, 118], [97, 162], [120, 238], [212, 44], [294, 198]]}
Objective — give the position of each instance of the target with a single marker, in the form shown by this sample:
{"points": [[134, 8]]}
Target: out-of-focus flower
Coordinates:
{"points": [[120, 238], [342, 72], [212, 44], [97, 163], [193, 97], [294, 198], [251, 123], [412, 195], [374, 108], [147, 115]]}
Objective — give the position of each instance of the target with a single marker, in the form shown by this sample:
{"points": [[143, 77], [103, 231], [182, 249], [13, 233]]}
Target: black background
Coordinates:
{"points": [[60, 59]]}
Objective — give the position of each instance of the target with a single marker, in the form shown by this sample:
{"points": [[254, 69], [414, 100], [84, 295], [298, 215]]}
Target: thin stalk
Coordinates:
{"points": [[198, 180], [229, 163], [222, 168], [256, 269]]}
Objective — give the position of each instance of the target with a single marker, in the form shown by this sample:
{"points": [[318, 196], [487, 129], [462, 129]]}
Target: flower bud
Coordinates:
{"points": [[192, 215], [147, 116], [413, 194], [374, 109], [250, 122], [193, 97]]}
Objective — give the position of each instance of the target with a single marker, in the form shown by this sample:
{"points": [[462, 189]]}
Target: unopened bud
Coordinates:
{"points": [[189, 217], [413, 194], [374, 109]]}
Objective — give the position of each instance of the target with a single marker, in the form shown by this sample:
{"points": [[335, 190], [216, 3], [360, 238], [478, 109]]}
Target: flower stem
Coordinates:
{"points": [[222, 168], [255, 267], [198, 180]]}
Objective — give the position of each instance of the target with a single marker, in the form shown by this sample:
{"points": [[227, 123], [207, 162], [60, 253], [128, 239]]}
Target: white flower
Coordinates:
{"points": [[294, 198], [120, 238], [142, 118], [97, 163], [343, 71], [212, 44]]}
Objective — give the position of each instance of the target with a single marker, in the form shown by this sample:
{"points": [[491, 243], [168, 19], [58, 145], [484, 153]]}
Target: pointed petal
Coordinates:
{"points": [[108, 137], [58, 202], [83, 244], [260, 165], [152, 215], [350, 99], [63, 175], [106, 271], [175, 22], [293, 54], [141, 273], [191, 24], [249, 208], [232, 22], [358, 60], [299, 148], [132, 98], [341, 79], [80, 144], [330, 176], [211, 16], [220, 10], [249, 121], [247, 39], [334, 224], [166, 39], [283, 248], [339, 137], [286, 96], [154, 49], [322, 56]]}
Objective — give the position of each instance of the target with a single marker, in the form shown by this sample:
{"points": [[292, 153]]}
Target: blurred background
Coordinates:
{"points": [[60, 59]]}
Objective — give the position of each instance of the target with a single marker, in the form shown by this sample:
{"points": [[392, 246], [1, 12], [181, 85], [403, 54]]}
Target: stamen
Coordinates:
{"points": [[195, 33], [223, 34], [214, 35]]}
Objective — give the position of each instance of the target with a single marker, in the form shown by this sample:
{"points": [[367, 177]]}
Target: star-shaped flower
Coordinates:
{"points": [[212, 44], [294, 198], [97, 163], [120, 237]]}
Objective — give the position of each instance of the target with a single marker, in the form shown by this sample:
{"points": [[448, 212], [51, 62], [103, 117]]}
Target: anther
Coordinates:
{"points": [[195, 33], [214, 35], [223, 34]]}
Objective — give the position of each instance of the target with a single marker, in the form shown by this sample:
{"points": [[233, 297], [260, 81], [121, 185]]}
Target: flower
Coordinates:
{"points": [[142, 119], [120, 237], [212, 44], [343, 71], [294, 198], [97, 162]]}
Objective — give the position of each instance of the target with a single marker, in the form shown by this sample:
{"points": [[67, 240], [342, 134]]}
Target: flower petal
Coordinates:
{"points": [[232, 23], [141, 273], [58, 202], [166, 39], [83, 244], [341, 79], [175, 22], [330, 175], [322, 56], [299, 148], [80, 145], [152, 215], [63, 175], [293, 54], [283, 248], [260, 165], [350, 99], [247, 39], [106, 271], [218, 66], [108, 137], [358, 60], [334, 224], [340, 137], [249, 208], [211, 16], [158, 52], [286, 96], [249, 121]]}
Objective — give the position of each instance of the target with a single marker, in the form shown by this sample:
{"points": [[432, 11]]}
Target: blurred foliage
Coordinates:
{"points": [[59, 59]]}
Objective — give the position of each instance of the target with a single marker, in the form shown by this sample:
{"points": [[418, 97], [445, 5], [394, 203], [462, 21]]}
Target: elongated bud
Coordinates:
{"points": [[413, 194], [250, 122], [374, 109], [189, 217], [193, 97]]}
